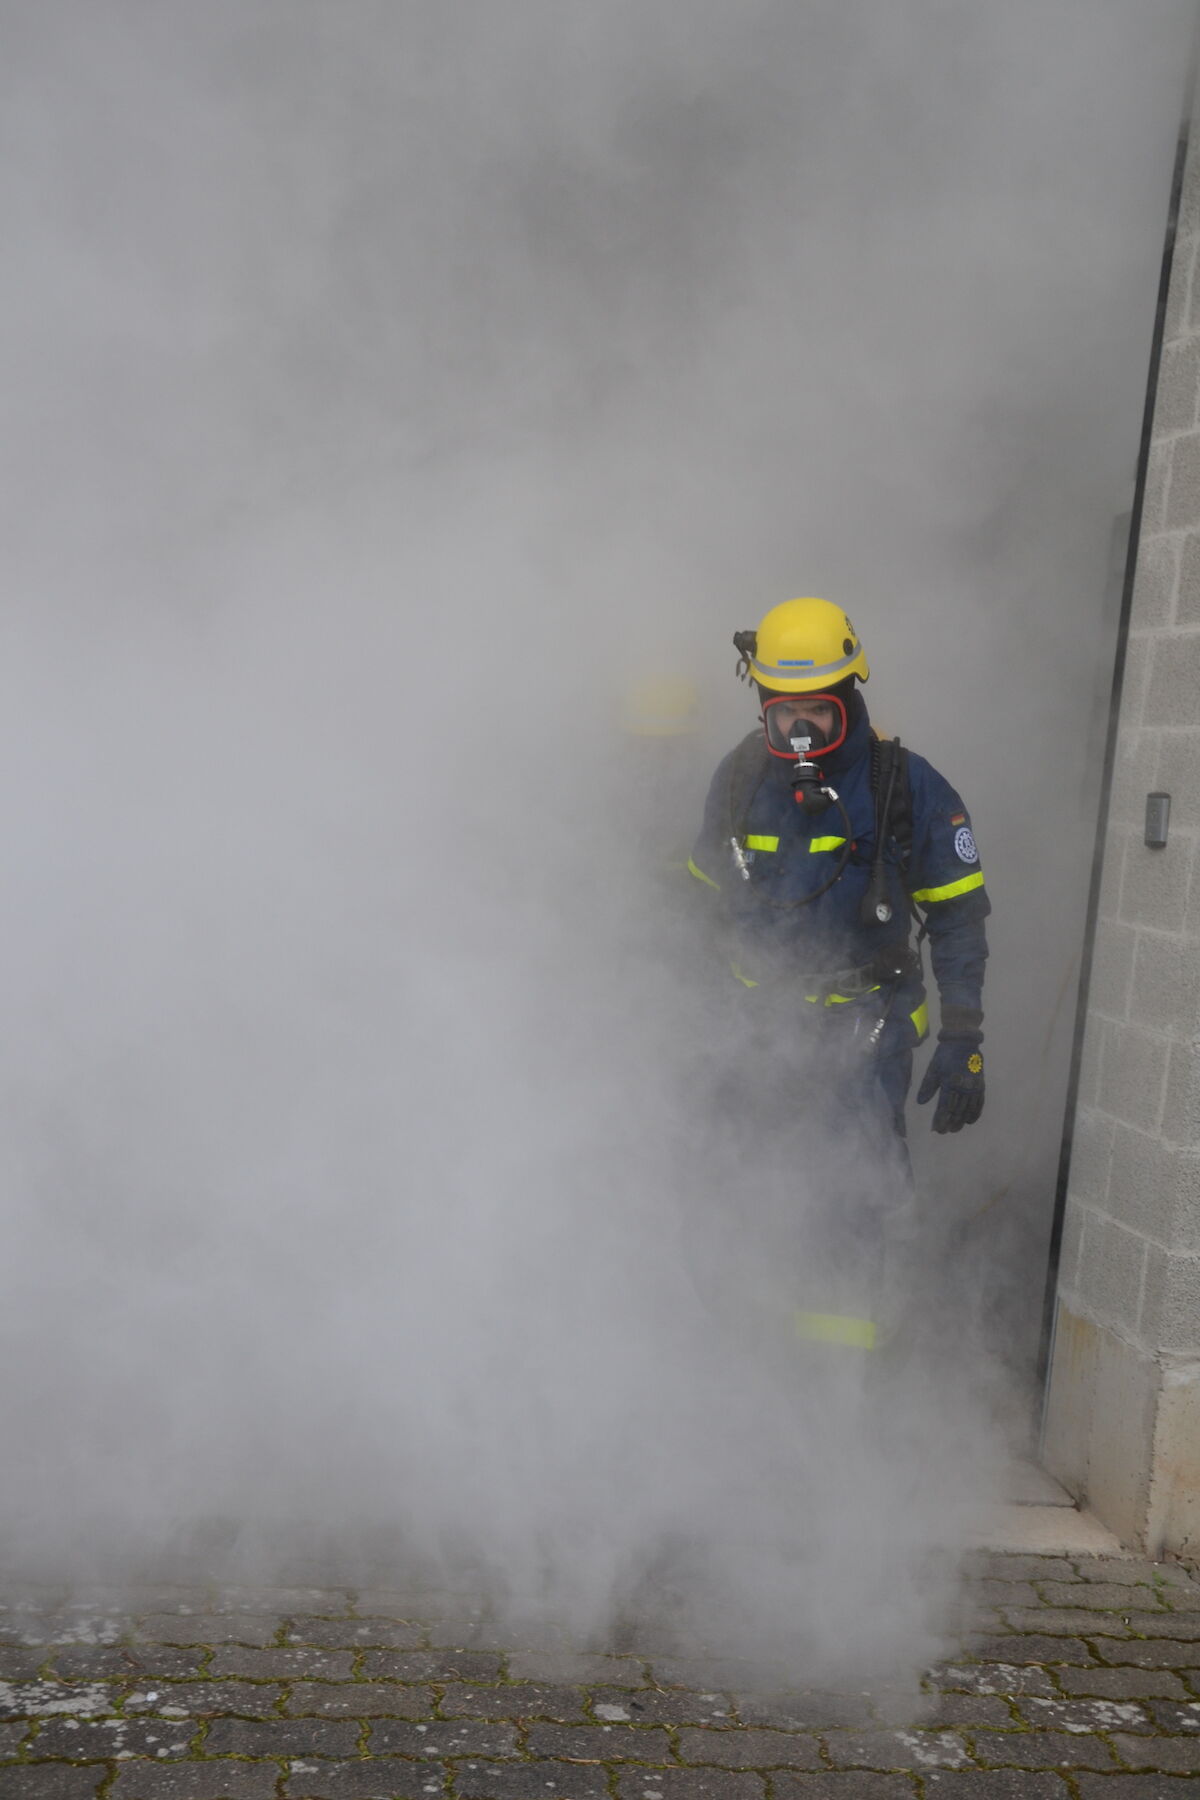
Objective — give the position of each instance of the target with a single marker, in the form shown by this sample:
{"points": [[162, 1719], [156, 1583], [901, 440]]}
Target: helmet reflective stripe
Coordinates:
{"points": [[764, 671]]}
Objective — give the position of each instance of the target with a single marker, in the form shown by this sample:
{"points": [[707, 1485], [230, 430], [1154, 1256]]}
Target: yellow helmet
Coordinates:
{"points": [[661, 706], [802, 647]]}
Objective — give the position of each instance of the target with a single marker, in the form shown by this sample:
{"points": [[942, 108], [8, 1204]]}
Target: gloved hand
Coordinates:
{"points": [[955, 1074]]}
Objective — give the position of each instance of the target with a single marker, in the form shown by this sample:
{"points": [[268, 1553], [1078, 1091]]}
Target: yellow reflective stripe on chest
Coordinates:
{"points": [[952, 888], [757, 841]]}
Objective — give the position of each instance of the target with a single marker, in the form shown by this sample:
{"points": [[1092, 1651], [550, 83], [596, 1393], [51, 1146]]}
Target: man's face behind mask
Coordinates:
{"points": [[819, 717]]}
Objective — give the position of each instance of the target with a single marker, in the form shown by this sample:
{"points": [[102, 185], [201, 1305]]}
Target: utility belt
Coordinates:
{"points": [[887, 969], [862, 995]]}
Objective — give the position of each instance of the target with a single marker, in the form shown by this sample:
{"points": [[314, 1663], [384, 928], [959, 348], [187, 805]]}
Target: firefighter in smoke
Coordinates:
{"points": [[821, 844]]}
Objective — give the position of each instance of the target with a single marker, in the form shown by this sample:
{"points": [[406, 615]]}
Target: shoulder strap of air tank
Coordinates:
{"points": [[888, 754], [747, 767]]}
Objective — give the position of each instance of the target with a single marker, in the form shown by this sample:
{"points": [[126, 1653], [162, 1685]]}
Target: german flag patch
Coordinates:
{"points": [[958, 818]]}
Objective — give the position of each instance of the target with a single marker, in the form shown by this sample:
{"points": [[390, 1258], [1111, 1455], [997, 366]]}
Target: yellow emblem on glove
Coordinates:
{"points": [[975, 1062]]}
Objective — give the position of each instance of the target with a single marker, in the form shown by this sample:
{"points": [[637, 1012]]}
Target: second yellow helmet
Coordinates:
{"points": [[805, 646]]}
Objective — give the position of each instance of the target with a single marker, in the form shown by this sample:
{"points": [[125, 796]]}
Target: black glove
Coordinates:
{"points": [[956, 1069]]}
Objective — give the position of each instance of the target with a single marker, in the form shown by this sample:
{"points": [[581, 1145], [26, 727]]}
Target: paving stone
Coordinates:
{"points": [[1069, 1621], [1123, 1684], [283, 1665], [432, 1665], [1006, 1593], [46, 1699], [994, 1784], [55, 1781], [1104, 1595], [81, 1662], [941, 1711], [568, 1667], [1045, 1750], [136, 1598], [368, 1778], [1181, 1625], [843, 1785], [706, 1675], [418, 1603], [485, 1634], [530, 1781], [360, 1700], [897, 1750], [196, 1699], [208, 1628], [690, 1784], [1127, 1787], [652, 1706], [750, 1749], [33, 1630], [451, 1737], [1181, 1599], [1176, 1718], [192, 1781], [601, 1743], [1084, 1715], [81, 1739], [1001, 1567], [1179, 1755], [19, 1664], [292, 1602], [1132, 1569], [994, 1678], [355, 1634], [527, 1700], [1156, 1653], [12, 1736], [806, 1711], [1029, 1647], [281, 1737]]}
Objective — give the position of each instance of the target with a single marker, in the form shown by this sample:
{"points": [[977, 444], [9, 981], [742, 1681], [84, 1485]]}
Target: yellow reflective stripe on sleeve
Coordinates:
{"points": [[754, 842], [952, 889], [826, 843], [836, 1328], [744, 979], [701, 876], [920, 1019]]}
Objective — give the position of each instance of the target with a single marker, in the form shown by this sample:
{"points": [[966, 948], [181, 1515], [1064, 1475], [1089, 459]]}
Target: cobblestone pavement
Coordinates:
{"points": [[1080, 1681]]}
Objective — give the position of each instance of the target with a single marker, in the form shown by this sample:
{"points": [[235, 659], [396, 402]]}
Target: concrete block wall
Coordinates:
{"points": [[1122, 1427]]}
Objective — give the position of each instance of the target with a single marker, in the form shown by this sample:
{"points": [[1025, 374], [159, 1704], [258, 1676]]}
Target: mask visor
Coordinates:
{"points": [[821, 718]]}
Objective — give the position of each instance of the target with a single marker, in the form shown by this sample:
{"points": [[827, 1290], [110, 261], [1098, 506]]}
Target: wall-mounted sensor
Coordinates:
{"points": [[1158, 817]]}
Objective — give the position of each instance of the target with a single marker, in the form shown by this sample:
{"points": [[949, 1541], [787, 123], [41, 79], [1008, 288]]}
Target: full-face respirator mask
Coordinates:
{"points": [[800, 740]]}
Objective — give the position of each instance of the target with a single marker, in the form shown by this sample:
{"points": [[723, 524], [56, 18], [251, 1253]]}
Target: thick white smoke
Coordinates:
{"points": [[387, 385]]}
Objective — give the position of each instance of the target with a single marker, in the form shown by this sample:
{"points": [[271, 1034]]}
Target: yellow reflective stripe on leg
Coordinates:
{"points": [[826, 843], [920, 1019], [701, 876], [836, 1328], [952, 889], [840, 999], [744, 979], [755, 842]]}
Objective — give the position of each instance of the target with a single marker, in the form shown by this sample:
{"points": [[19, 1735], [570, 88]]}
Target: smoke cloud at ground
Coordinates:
{"points": [[386, 386]]}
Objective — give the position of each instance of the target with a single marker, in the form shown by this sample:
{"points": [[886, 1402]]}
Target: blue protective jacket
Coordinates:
{"points": [[822, 952]]}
